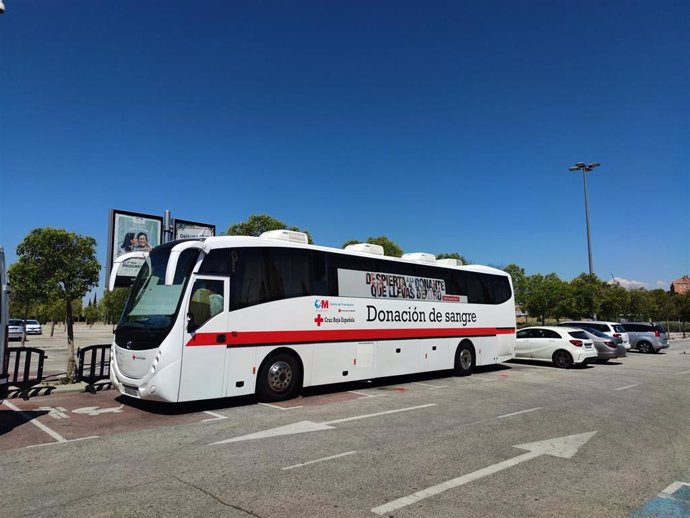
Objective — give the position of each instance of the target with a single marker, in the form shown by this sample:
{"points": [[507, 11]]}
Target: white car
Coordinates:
{"points": [[564, 346], [33, 327]]}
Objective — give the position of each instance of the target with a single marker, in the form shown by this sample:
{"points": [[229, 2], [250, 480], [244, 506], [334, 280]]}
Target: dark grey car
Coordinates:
{"points": [[607, 347], [646, 337]]}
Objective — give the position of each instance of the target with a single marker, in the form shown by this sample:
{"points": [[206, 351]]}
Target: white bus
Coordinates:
{"points": [[233, 315], [4, 333]]}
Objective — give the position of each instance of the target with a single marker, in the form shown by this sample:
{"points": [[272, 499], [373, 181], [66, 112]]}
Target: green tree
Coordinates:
{"points": [[257, 224], [662, 305], [682, 305], [390, 247], [566, 302], [586, 290], [640, 305], [452, 255], [543, 294], [519, 282], [112, 304], [58, 264], [23, 295], [55, 312], [91, 313], [614, 300]]}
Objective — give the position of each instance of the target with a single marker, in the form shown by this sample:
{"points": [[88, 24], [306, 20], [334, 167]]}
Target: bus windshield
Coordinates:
{"points": [[152, 306]]}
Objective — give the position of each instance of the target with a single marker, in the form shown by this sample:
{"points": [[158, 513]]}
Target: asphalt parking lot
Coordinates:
{"points": [[522, 439]]}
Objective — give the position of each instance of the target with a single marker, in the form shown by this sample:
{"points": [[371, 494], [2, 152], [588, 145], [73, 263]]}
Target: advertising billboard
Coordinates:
{"points": [[131, 232], [183, 229]]}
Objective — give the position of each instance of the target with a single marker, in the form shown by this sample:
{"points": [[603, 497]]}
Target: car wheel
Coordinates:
{"points": [[464, 359], [562, 359], [645, 347], [280, 378]]}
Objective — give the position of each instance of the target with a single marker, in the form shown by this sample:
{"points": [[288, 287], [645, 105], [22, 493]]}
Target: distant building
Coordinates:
{"points": [[681, 285]]}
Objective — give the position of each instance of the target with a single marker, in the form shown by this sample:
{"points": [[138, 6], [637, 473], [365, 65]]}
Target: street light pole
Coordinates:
{"points": [[586, 168]]}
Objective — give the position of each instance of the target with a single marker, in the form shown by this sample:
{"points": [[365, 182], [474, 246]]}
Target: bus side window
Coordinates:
{"points": [[206, 302]]}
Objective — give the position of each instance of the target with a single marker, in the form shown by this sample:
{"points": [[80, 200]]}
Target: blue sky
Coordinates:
{"points": [[447, 126]]}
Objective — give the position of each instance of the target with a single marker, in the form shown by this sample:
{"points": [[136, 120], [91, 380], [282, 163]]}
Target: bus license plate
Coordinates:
{"points": [[131, 391]]}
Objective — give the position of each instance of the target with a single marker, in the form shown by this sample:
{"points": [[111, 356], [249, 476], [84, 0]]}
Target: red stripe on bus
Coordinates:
{"points": [[237, 338]]}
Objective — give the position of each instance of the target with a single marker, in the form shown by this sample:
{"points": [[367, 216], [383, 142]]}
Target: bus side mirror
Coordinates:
{"points": [[191, 325]]}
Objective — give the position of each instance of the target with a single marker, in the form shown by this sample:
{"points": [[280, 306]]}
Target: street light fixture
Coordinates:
{"points": [[586, 168]]}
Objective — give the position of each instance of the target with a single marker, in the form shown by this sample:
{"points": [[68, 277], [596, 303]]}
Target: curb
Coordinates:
{"points": [[46, 389]]}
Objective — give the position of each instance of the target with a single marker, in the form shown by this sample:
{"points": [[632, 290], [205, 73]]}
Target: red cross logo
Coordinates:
{"points": [[318, 320]]}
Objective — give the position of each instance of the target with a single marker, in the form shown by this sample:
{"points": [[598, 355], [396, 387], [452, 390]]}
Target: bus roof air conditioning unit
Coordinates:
{"points": [[449, 262], [286, 235], [421, 257], [367, 248]]}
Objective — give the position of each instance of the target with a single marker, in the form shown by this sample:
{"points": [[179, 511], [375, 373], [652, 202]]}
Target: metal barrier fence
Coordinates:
{"points": [[26, 368], [93, 365]]}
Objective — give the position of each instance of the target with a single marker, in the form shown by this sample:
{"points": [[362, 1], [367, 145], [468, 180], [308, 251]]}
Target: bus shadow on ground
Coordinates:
{"points": [[389, 383], [9, 419]]}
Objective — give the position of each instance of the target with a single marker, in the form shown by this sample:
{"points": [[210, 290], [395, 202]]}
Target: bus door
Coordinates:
{"points": [[205, 339]]}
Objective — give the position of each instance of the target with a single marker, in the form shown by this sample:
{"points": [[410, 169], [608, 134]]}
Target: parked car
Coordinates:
{"points": [[15, 329], [646, 337], [564, 346], [33, 327], [607, 347], [613, 329]]}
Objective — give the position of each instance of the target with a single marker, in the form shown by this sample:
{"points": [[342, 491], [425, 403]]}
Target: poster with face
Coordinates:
{"points": [[131, 232]]}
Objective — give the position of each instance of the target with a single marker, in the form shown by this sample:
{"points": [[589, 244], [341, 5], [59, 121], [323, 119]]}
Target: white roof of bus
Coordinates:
{"points": [[229, 241]]}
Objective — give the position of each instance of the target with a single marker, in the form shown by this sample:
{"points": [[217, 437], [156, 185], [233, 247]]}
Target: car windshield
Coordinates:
{"points": [[32, 322], [579, 334], [660, 328], [618, 328], [15, 322]]}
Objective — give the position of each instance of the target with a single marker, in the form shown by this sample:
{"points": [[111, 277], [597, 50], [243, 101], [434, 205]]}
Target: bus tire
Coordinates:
{"points": [[280, 378], [464, 359]]}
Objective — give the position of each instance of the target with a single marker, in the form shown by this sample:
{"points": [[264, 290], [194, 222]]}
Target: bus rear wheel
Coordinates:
{"points": [[464, 359], [280, 378]]}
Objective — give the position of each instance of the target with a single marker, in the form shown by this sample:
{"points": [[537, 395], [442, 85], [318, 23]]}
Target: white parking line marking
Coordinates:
{"points": [[482, 379], [29, 419], [336, 421], [216, 417], [280, 407], [520, 412], [319, 460], [363, 394], [429, 385], [675, 486], [679, 373], [628, 386], [63, 442]]}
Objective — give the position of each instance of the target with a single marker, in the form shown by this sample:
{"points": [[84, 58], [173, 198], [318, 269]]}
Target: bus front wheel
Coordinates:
{"points": [[280, 378], [464, 359]]}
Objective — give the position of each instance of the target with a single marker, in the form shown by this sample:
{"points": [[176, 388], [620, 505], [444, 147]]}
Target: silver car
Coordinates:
{"points": [[15, 329], [646, 337], [607, 347]]}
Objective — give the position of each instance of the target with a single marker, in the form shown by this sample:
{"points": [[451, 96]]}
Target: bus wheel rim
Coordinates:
{"points": [[465, 359], [279, 376]]}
